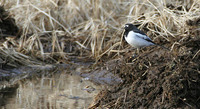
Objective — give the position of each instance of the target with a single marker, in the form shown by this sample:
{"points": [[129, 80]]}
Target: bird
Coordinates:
{"points": [[137, 38]]}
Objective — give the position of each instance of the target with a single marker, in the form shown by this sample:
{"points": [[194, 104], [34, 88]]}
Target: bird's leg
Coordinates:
{"points": [[136, 53]]}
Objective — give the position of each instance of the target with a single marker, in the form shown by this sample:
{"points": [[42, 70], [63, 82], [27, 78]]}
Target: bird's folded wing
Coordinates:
{"points": [[138, 31], [145, 37]]}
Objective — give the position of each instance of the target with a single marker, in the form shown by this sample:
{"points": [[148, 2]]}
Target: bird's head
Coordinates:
{"points": [[129, 26]]}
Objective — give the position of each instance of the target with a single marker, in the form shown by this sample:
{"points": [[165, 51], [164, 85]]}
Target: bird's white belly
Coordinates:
{"points": [[136, 41]]}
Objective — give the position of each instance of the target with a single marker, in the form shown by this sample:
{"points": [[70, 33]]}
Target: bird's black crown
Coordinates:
{"points": [[129, 27]]}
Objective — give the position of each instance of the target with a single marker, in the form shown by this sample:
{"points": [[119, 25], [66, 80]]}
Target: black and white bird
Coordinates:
{"points": [[137, 38]]}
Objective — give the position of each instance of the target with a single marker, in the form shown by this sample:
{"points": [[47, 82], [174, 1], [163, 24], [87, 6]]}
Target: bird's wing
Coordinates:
{"points": [[138, 31], [144, 36]]}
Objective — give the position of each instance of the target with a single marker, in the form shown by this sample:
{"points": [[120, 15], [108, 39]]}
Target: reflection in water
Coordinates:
{"points": [[61, 91], [7, 94]]}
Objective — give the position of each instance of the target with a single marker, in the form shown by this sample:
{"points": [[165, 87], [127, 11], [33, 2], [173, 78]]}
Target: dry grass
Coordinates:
{"points": [[95, 24]]}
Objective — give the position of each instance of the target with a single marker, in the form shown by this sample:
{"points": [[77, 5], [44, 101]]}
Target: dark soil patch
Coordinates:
{"points": [[8, 28], [7, 25], [156, 79]]}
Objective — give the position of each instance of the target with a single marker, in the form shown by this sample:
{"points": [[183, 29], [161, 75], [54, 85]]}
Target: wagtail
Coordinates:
{"points": [[137, 38]]}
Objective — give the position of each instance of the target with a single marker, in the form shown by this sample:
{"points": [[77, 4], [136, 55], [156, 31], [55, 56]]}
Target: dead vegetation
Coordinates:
{"points": [[56, 30]]}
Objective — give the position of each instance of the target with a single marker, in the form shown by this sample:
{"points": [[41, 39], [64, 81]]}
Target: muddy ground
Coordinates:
{"points": [[156, 78]]}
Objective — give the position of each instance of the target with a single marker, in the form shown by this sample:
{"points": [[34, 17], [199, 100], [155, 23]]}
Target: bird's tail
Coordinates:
{"points": [[163, 47]]}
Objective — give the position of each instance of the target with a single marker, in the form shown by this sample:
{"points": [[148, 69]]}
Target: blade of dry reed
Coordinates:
{"points": [[51, 18]]}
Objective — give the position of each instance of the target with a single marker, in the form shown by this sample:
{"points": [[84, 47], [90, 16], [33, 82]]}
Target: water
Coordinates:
{"points": [[59, 89], [62, 91]]}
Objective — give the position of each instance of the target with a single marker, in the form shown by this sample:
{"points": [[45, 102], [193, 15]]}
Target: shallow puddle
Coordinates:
{"points": [[62, 91]]}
